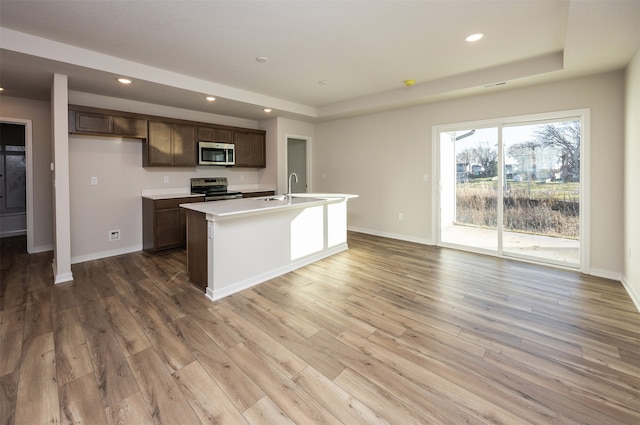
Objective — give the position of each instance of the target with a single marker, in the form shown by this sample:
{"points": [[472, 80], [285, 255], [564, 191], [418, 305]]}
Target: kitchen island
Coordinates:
{"points": [[235, 244]]}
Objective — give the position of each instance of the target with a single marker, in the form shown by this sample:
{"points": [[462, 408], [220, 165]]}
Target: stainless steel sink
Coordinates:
{"points": [[275, 198]]}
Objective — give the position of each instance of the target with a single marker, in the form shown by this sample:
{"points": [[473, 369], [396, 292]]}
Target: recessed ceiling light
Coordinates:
{"points": [[210, 98], [267, 110], [473, 37], [262, 59], [124, 80]]}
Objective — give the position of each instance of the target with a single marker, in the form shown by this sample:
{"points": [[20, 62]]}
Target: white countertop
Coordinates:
{"points": [[234, 208], [171, 196], [185, 192]]}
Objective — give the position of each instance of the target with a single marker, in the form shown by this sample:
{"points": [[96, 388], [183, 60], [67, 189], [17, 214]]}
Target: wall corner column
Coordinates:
{"points": [[61, 198]]}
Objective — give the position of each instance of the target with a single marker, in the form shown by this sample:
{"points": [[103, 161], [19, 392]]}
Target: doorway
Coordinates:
{"points": [[516, 187], [297, 162], [16, 215], [13, 184]]}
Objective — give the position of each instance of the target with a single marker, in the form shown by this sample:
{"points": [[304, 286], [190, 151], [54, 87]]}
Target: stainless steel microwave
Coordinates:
{"points": [[213, 153]]}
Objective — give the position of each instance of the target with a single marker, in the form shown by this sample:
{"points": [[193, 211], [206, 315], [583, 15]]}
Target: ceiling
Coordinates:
{"points": [[325, 59]]}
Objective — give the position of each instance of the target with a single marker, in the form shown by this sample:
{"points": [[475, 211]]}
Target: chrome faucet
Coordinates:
{"points": [[289, 187]]}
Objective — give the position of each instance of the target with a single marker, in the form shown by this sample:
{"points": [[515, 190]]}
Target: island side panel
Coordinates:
{"points": [[336, 224], [197, 240], [248, 250], [250, 246]]}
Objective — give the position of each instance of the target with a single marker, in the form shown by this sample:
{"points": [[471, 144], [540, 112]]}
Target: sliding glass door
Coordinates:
{"points": [[541, 193], [470, 194], [513, 188]]}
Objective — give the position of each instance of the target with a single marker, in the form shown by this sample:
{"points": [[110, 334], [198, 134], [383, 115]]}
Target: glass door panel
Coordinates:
{"points": [[541, 191], [469, 188]]}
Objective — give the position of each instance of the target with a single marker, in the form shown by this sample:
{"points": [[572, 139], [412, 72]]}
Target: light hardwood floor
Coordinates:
{"points": [[387, 332]]}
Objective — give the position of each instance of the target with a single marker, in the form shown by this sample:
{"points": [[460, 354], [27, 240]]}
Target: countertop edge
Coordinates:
{"points": [[208, 208], [156, 197]]}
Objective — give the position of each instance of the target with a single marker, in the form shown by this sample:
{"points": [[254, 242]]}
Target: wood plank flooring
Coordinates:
{"points": [[388, 332]]}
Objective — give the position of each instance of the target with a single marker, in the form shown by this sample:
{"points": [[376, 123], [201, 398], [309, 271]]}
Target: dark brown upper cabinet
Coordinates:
{"points": [[106, 123], [250, 148], [212, 134], [170, 144]]}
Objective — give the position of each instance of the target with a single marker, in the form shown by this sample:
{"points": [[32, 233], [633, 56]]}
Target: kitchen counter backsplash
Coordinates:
{"points": [[166, 193], [251, 187]]}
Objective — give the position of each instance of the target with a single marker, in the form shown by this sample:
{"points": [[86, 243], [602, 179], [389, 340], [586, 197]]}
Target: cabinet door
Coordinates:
{"points": [[184, 144], [93, 123], [223, 135], [257, 150], [206, 134], [212, 134], [128, 126], [168, 229], [250, 149], [242, 142], [159, 143]]}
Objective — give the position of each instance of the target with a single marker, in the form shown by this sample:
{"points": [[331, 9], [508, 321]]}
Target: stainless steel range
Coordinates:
{"points": [[213, 188]]}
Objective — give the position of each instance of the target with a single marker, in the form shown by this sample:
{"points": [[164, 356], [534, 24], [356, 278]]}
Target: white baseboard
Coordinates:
{"points": [[397, 236], [635, 296], [606, 274], [41, 248], [105, 254], [60, 278]]}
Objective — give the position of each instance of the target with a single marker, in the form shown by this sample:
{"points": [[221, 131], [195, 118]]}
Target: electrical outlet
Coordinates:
{"points": [[166, 179], [94, 181], [114, 235], [401, 216]]}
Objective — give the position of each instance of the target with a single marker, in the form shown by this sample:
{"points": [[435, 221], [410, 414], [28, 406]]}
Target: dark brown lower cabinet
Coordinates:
{"points": [[197, 248], [164, 223]]}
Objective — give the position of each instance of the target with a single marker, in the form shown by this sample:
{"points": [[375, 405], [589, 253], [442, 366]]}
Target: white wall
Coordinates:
{"points": [[115, 203], [39, 112], [631, 277], [382, 157], [270, 174]]}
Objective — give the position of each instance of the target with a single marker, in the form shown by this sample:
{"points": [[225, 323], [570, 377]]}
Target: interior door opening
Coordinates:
{"points": [[297, 163], [17, 180], [13, 180], [514, 187]]}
